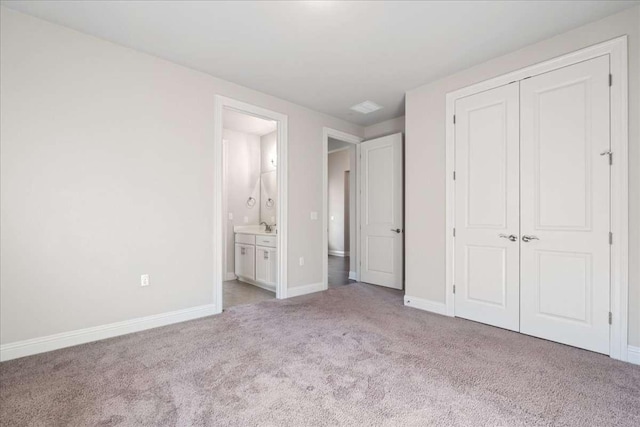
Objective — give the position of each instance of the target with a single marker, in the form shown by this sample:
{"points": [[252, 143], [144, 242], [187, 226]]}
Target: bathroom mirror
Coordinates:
{"points": [[268, 197]]}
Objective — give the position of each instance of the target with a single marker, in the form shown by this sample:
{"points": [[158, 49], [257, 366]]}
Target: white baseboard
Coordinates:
{"points": [[230, 276], [339, 253], [353, 275], [633, 355], [426, 305], [305, 289], [96, 333]]}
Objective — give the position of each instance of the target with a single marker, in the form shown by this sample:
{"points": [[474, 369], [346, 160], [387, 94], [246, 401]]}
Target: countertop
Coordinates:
{"points": [[253, 229]]}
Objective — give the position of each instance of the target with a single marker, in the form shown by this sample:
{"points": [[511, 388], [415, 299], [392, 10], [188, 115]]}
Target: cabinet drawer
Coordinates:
{"points": [[248, 239], [268, 241]]}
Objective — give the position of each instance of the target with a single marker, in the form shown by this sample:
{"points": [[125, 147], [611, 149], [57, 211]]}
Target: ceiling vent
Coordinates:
{"points": [[366, 107]]}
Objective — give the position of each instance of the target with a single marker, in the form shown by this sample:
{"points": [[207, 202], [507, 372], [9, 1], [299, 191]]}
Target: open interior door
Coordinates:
{"points": [[381, 212]]}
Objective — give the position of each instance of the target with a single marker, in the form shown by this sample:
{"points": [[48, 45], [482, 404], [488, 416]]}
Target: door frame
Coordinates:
{"points": [[219, 272], [619, 291], [355, 140]]}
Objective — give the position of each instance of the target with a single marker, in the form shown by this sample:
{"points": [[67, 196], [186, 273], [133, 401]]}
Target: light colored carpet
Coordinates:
{"points": [[349, 356]]}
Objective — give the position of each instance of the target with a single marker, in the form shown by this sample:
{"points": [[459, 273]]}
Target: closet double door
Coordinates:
{"points": [[532, 203]]}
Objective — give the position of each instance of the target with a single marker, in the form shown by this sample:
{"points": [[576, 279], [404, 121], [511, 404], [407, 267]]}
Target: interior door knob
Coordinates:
{"points": [[511, 237], [527, 239], [396, 230]]}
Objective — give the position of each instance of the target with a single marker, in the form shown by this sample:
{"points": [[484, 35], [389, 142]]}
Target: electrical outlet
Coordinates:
{"points": [[301, 261], [314, 216], [144, 280], [230, 216]]}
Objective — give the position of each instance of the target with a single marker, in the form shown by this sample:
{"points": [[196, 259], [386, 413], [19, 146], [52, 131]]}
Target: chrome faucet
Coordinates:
{"points": [[267, 227]]}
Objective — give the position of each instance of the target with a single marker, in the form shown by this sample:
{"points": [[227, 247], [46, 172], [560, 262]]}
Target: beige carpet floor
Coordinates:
{"points": [[353, 355]]}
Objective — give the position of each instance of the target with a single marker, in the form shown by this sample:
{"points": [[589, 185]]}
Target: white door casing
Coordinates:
{"points": [[381, 214], [487, 207], [565, 270]]}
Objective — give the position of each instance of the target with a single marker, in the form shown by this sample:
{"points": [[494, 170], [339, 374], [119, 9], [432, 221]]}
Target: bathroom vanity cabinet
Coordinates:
{"points": [[256, 259]]}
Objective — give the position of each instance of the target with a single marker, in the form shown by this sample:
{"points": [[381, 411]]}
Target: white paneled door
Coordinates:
{"points": [[381, 208], [565, 205], [532, 206], [487, 208]]}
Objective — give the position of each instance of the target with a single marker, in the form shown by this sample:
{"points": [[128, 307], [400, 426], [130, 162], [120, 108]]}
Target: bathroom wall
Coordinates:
{"points": [[269, 184], [268, 151], [242, 180]]}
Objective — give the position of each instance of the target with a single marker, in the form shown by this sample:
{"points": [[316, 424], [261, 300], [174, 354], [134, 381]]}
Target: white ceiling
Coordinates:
{"points": [[245, 123], [325, 55]]}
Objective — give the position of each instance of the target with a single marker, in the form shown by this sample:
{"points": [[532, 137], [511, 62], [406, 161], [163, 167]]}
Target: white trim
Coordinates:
{"points": [[351, 139], [297, 291], [353, 275], [617, 51], [426, 305], [339, 253], [222, 102], [96, 333], [225, 209], [633, 355]]}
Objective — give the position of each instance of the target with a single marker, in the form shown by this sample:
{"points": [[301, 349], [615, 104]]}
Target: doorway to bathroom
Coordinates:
{"points": [[250, 220], [340, 219]]}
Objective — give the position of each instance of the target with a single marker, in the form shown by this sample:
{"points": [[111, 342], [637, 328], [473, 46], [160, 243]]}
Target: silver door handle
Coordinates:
{"points": [[526, 238], [396, 230], [511, 237]]}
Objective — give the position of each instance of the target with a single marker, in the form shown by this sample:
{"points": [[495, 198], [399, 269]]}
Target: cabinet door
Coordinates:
{"points": [[266, 265], [272, 263], [262, 264], [245, 261]]}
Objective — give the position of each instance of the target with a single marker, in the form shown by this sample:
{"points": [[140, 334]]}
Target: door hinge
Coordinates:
{"points": [[610, 238], [454, 232], [454, 289], [610, 318], [454, 119], [454, 175], [610, 79]]}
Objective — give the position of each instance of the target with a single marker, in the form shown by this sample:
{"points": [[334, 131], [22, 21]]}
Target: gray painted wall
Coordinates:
{"points": [[338, 164], [107, 173]]}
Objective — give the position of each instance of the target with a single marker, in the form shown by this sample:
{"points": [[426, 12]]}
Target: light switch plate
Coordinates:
{"points": [[314, 216]]}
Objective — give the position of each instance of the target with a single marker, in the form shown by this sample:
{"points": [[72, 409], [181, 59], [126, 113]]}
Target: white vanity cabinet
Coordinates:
{"points": [[256, 259]]}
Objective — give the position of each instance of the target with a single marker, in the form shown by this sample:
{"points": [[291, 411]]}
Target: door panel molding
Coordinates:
{"points": [[616, 49]]}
